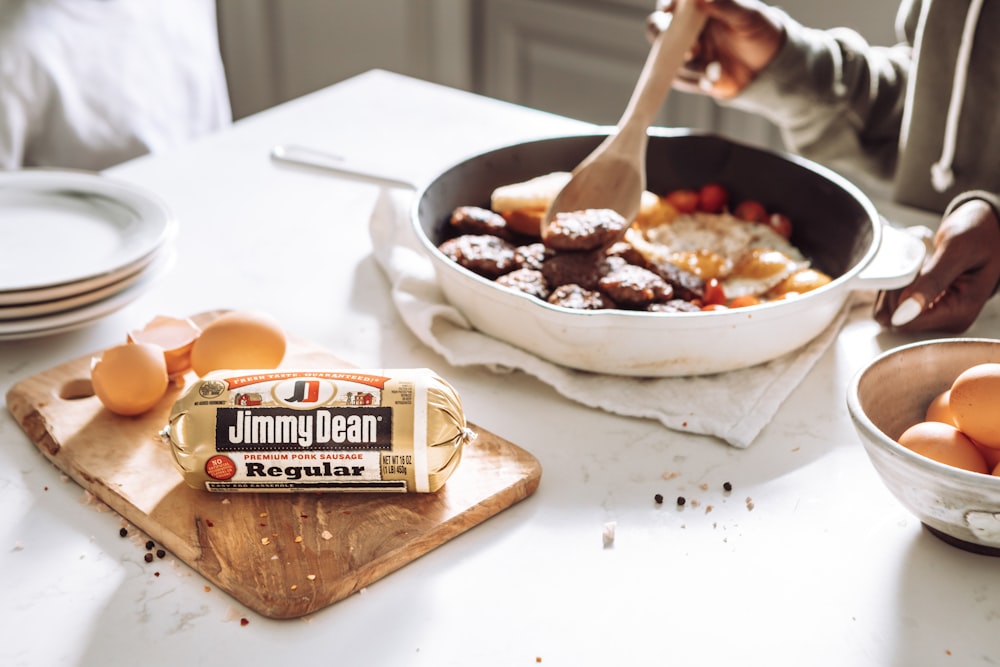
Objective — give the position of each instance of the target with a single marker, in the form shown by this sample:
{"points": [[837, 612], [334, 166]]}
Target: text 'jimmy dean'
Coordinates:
{"points": [[262, 428]]}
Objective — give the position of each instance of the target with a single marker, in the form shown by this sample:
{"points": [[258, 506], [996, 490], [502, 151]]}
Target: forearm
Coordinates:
{"points": [[834, 97]]}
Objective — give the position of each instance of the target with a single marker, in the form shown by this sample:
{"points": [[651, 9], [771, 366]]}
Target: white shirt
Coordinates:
{"points": [[90, 83]]}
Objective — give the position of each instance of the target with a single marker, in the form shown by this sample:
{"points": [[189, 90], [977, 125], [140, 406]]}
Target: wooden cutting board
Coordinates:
{"points": [[282, 555]]}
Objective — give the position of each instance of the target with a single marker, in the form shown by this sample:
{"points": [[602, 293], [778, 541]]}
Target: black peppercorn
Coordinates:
{"points": [[148, 558], [681, 500], [658, 498], [123, 532], [149, 545], [726, 486], [160, 553]]}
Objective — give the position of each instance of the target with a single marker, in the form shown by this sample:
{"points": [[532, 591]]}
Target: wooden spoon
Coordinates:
{"points": [[613, 176]]}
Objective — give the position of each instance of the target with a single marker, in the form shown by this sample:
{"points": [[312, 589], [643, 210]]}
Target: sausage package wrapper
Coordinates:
{"points": [[318, 430]]}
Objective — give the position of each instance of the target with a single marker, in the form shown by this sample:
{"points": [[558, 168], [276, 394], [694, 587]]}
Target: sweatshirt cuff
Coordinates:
{"points": [[990, 198], [784, 77]]}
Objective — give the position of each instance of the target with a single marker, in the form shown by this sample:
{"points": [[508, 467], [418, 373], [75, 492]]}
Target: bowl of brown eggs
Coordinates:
{"points": [[927, 416]]}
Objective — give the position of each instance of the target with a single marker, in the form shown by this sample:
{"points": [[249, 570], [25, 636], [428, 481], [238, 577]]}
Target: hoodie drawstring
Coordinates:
{"points": [[942, 176]]}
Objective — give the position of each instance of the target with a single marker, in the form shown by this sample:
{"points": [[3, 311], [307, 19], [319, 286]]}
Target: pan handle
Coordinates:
{"points": [[310, 157], [898, 259]]}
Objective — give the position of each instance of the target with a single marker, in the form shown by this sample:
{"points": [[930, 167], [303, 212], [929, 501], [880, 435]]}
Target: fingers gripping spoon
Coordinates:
{"points": [[613, 176]]}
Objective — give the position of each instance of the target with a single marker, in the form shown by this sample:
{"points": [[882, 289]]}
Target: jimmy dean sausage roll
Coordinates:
{"points": [[336, 430]]}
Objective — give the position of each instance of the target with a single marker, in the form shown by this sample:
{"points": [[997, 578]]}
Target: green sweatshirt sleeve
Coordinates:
{"points": [[834, 97]]}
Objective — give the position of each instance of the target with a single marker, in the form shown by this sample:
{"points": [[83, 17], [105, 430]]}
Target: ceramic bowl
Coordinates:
{"points": [[892, 393]]}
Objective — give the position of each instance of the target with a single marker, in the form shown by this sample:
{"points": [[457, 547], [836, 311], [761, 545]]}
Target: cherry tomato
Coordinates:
{"points": [[712, 198], [781, 224], [714, 294], [751, 211], [685, 201], [744, 301]]}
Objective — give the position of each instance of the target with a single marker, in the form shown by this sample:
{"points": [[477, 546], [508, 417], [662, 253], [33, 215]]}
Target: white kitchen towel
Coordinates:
{"points": [[733, 407]]}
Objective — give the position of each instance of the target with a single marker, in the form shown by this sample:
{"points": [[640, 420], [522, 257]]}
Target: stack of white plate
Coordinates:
{"points": [[74, 247]]}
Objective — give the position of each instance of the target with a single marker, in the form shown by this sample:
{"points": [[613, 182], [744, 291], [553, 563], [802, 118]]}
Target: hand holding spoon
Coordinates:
{"points": [[613, 176]]}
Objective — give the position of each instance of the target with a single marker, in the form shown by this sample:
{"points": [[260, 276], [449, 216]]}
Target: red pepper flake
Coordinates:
{"points": [[45, 488], [346, 512], [208, 522], [244, 621], [156, 574], [303, 516]]}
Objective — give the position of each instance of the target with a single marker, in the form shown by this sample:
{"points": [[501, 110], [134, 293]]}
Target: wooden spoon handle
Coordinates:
{"points": [[664, 60]]}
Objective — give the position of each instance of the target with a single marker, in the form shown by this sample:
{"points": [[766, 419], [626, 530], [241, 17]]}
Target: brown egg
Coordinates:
{"points": [[975, 394], [992, 456], [130, 378], [939, 409], [944, 443], [175, 335], [239, 340]]}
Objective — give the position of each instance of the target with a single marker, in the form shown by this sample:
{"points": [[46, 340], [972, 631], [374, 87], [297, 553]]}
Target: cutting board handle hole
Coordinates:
{"points": [[76, 389]]}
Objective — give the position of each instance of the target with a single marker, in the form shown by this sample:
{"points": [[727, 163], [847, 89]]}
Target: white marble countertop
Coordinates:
{"points": [[823, 567]]}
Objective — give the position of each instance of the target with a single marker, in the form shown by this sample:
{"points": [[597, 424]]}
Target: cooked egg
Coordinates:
{"points": [[131, 378], [239, 340], [175, 335], [973, 402], [748, 259], [799, 282], [945, 444]]}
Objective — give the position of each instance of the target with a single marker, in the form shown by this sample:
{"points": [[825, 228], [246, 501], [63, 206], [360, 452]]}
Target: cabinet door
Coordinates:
{"points": [[582, 60]]}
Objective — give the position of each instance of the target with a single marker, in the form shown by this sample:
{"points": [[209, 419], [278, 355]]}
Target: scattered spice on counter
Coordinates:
{"points": [[244, 621], [727, 487], [265, 541], [148, 557], [149, 545], [608, 534], [311, 577], [298, 539], [160, 553], [750, 504], [703, 486], [122, 532], [681, 500], [326, 535], [658, 498], [209, 523]]}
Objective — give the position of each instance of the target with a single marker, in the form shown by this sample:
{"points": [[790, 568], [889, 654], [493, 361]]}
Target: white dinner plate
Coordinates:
{"points": [[65, 232], [53, 306], [68, 320]]}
